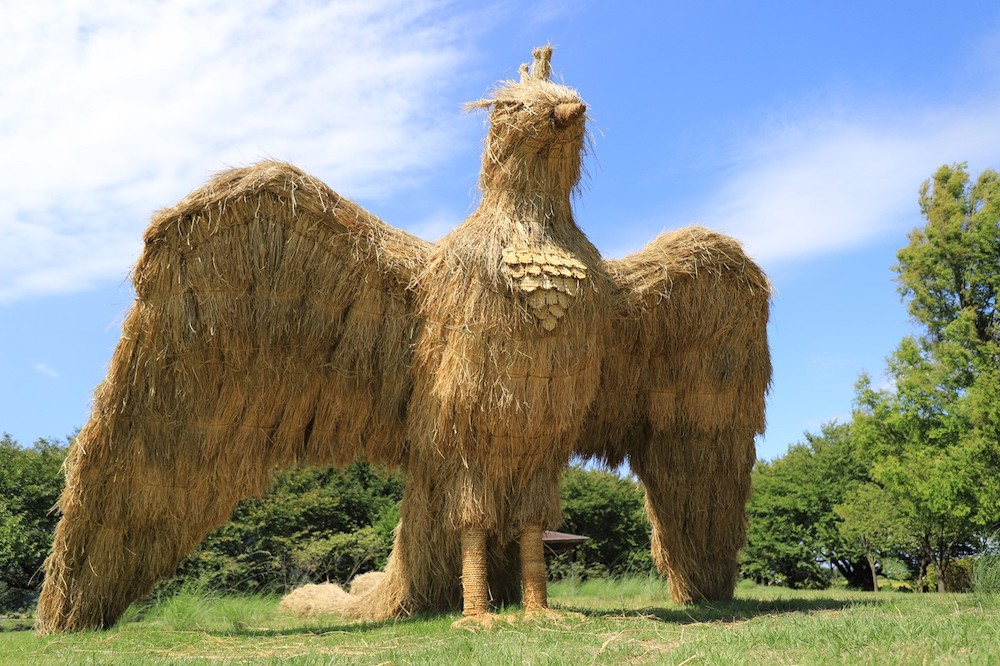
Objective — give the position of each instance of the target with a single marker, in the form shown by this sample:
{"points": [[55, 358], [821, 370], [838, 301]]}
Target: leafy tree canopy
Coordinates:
{"points": [[30, 483], [792, 524], [951, 266]]}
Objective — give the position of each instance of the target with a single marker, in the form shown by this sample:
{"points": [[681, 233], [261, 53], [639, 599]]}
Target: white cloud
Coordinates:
{"points": [[46, 370], [124, 107], [820, 184]]}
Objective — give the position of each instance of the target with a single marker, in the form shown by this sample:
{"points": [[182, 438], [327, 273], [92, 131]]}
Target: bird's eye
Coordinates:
{"points": [[510, 107]]}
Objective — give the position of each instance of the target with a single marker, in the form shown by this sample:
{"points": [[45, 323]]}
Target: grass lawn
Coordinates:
{"points": [[630, 621]]}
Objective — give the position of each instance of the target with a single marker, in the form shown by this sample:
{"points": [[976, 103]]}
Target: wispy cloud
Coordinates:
{"points": [[118, 108], [46, 370], [821, 182]]}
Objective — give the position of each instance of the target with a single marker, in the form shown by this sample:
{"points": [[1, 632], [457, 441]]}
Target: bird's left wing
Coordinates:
{"points": [[685, 372], [272, 324]]}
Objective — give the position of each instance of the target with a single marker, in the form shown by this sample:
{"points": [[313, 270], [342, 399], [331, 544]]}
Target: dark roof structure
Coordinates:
{"points": [[561, 542]]}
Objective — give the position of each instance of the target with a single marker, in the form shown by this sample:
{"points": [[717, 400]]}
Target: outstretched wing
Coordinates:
{"points": [[684, 381], [272, 324]]}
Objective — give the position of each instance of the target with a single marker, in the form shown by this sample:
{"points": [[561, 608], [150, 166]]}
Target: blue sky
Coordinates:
{"points": [[803, 129]]}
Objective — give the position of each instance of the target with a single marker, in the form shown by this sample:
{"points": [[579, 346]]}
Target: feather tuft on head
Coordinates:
{"points": [[541, 68]]}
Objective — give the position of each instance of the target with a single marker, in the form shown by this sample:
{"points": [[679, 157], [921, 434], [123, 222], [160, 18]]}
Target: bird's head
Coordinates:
{"points": [[536, 132]]}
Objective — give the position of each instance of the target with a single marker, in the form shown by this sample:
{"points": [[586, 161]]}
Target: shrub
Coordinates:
{"points": [[315, 523], [340, 557], [610, 510]]}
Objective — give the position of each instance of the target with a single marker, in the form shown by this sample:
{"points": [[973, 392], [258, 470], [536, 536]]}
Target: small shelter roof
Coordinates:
{"points": [[560, 542]]}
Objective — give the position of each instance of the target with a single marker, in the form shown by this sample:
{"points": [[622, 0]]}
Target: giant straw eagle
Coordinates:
{"points": [[276, 323]]}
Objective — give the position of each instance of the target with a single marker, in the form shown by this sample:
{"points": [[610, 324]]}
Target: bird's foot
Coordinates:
{"points": [[483, 621]]}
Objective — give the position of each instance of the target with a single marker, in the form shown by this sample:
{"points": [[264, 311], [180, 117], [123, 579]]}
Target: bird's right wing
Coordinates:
{"points": [[273, 324]]}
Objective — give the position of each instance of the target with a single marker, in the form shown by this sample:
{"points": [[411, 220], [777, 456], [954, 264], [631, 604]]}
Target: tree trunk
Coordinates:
{"points": [[942, 585], [858, 573], [942, 562], [871, 565]]}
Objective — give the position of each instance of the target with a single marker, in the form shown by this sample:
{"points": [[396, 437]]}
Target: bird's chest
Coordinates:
{"points": [[514, 357]]}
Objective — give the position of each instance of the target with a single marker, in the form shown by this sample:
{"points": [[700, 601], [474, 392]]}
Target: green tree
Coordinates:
{"points": [[30, 483], [921, 449], [15, 549], [982, 441], [793, 528], [923, 454], [782, 545], [870, 520], [951, 266], [933, 438]]}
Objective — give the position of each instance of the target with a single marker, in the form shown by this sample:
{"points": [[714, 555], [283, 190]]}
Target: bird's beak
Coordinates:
{"points": [[568, 112]]}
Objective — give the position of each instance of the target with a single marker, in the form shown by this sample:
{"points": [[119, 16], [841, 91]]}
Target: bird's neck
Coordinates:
{"points": [[533, 188], [540, 213]]}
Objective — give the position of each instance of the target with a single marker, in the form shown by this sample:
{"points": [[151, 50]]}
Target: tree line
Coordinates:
{"points": [[912, 481]]}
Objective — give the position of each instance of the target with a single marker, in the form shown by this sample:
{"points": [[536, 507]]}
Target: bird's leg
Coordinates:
{"points": [[533, 571], [475, 586], [534, 575]]}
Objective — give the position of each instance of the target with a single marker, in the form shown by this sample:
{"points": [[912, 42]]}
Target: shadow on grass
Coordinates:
{"points": [[731, 611], [335, 626], [7, 624], [737, 610]]}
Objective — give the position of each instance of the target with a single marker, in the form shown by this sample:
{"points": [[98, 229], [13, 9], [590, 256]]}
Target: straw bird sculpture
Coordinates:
{"points": [[276, 323]]}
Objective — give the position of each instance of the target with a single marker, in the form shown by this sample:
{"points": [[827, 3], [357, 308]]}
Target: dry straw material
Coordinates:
{"points": [[277, 323]]}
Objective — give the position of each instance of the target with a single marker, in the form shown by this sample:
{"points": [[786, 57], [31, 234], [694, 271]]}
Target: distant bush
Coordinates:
{"points": [[340, 557], [958, 578], [315, 523], [610, 510]]}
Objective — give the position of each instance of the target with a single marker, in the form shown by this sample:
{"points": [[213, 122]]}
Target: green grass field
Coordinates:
{"points": [[630, 621]]}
